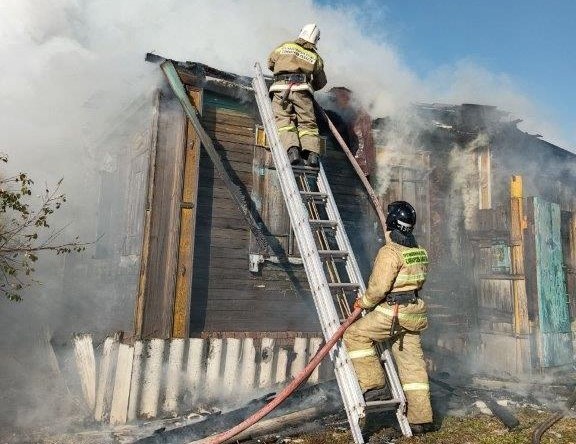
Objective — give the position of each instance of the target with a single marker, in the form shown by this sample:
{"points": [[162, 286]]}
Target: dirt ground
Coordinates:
{"points": [[461, 417], [473, 428]]}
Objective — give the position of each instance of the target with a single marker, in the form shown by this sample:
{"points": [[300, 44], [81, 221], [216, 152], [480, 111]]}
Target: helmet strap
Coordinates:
{"points": [[404, 239]]}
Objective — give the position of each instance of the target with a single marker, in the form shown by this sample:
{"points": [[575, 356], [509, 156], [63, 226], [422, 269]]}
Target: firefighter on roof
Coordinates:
{"points": [[397, 314], [298, 72]]}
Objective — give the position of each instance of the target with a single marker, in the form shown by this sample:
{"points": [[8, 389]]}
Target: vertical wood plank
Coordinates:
{"points": [[266, 361], [554, 322], [181, 323], [521, 319], [136, 381], [152, 377], [120, 399], [144, 256], [105, 377], [485, 176], [173, 376], [86, 365], [160, 282]]}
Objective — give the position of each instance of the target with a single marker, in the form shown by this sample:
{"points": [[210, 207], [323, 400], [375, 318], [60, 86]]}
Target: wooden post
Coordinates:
{"points": [[521, 320], [155, 303], [181, 318], [139, 306]]}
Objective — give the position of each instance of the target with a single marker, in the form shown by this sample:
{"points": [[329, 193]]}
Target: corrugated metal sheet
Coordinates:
{"points": [[554, 321], [162, 378]]}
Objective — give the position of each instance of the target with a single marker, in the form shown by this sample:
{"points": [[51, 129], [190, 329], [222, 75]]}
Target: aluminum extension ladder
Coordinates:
{"points": [[330, 265]]}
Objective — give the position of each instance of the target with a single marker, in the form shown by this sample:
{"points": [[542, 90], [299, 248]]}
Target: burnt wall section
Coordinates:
{"points": [[226, 295], [477, 272]]}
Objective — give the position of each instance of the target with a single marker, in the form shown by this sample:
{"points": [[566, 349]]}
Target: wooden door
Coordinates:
{"points": [[554, 333]]}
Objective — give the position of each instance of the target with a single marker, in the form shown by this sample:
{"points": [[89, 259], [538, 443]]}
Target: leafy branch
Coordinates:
{"points": [[25, 231]]}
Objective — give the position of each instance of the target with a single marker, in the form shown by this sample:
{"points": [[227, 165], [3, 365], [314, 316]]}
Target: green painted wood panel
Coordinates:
{"points": [[554, 320]]}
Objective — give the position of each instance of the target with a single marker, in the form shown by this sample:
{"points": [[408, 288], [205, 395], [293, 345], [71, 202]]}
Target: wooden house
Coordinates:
{"points": [[496, 212]]}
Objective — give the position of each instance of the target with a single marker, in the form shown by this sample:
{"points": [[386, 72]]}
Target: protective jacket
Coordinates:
{"points": [[397, 269], [297, 57]]}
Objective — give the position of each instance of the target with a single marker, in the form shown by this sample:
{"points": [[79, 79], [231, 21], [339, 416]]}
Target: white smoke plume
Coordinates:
{"points": [[73, 70], [464, 193]]}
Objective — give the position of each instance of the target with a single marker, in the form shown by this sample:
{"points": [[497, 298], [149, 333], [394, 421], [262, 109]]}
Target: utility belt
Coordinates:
{"points": [[402, 297], [291, 78]]}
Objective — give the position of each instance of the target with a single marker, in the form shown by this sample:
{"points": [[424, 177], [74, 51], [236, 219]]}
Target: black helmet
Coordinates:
{"points": [[401, 216]]}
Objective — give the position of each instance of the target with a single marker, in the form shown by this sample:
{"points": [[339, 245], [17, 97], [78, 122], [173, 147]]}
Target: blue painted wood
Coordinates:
{"points": [[554, 319]]}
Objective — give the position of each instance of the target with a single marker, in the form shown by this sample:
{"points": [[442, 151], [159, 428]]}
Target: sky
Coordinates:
{"points": [[526, 43]]}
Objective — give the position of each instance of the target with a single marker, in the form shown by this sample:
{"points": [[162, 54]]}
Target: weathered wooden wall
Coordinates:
{"points": [[226, 296]]}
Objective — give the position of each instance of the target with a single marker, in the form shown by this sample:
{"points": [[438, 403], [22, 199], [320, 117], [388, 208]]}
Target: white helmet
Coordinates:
{"points": [[310, 33]]}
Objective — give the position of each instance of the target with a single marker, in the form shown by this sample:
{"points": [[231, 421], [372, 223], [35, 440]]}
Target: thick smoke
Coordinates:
{"points": [[75, 92], [463, 193]]}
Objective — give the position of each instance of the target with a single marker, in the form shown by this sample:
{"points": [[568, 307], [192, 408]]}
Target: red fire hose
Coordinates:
{"points": [[287, 391], [375, 203]]}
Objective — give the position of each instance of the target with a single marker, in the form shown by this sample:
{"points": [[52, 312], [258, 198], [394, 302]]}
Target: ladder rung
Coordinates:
{"points": [[315, 191], [343, 285], [323, 223], [302, 169], [378, 406], [313, 195], [333, 254]]}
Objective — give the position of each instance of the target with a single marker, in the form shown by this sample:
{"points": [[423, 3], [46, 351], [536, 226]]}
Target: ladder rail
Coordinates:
{"points": [[329, 318], [301, 212], [355, 275], [297, 211]]}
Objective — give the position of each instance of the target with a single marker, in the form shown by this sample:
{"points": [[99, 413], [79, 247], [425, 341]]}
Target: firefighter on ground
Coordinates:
{"points": [[298, 72], [398, 274]]}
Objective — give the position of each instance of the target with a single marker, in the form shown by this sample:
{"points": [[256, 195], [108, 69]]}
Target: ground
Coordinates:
{"points": [[461, 417], [476, 429]]}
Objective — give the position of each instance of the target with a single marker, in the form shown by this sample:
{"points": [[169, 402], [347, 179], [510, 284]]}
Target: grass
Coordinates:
{"points": [[477, 429]]}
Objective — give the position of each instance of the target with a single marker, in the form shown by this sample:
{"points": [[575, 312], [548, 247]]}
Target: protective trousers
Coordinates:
{"points": [[360, 339], [296, 121]]}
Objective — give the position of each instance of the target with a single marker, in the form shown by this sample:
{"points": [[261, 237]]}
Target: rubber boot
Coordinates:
{"points": [[421, 429], [378, 394], [313, 160], [294, 155]]}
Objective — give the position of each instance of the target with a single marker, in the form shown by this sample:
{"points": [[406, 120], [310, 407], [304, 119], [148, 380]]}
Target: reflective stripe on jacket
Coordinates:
{"points": [[396, 269], [299, 58]]}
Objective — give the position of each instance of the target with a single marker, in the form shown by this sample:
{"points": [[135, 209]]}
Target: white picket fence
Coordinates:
{"points": [[165, 378]]}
